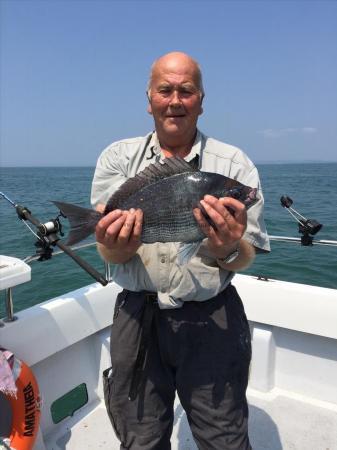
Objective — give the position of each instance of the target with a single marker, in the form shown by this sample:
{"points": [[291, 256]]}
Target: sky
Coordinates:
{"points": [[73, 75]]}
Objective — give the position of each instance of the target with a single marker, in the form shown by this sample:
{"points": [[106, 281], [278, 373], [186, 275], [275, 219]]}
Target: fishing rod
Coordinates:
{"points": [[307, 227], [47, 237]]}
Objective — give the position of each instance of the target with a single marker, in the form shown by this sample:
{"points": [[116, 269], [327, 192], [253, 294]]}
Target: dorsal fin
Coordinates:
{"points": [[152, 173]]}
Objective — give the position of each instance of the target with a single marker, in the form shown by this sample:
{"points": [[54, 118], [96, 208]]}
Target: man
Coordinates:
{"points": [[178, 328]]}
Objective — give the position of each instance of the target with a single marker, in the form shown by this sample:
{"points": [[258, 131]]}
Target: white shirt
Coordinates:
{"points": [[154, 267]]}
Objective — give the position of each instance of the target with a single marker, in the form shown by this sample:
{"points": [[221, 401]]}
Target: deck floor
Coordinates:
{"points": [[277, 422]]}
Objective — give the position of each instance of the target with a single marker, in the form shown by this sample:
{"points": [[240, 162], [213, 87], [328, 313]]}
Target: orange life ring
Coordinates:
{"points": [[25, 406]]}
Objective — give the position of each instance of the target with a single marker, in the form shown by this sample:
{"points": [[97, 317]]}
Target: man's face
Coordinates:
{"points": [[175, 99]]}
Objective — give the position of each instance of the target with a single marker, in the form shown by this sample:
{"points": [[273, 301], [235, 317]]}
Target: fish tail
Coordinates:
{"points": [[82, 221]]}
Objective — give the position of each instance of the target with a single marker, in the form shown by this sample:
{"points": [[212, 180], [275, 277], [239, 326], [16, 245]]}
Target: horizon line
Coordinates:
{"points": [[309, 161]]}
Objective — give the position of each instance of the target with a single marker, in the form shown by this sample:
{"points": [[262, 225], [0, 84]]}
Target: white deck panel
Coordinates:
{"points": [[287, 422], [91, 430], [87, 430], [277, 422]]}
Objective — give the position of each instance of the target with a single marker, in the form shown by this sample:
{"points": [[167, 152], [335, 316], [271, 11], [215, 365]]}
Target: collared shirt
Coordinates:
{"points": [[154, 267]]}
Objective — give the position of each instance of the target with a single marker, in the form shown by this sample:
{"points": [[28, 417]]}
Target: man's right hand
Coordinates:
{"points": [[118, 234]]}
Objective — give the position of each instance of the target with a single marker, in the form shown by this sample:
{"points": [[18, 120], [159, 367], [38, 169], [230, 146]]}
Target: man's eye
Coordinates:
{"points": [[164, 90], [186, 92]]}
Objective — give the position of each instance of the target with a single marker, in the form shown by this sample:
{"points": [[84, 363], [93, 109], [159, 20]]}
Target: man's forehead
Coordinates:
{"points": [[174, 77], [172, 81]]}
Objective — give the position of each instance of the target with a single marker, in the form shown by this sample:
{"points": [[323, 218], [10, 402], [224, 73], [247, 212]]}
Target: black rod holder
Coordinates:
{"points": [[307, 227], [47, 236]]}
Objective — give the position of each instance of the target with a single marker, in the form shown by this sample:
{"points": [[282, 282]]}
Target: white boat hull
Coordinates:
{"points": [[292, 391]]}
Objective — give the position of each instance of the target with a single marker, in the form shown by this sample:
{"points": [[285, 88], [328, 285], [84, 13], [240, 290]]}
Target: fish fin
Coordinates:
{"points": [[82, 221], [151, 174], [186, 251]]}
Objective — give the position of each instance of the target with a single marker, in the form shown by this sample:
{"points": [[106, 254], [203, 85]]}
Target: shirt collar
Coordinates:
{"points": [[195, 150]]}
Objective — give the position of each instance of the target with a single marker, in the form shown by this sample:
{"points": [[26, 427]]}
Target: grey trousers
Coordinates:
{"points": [[201, 351]]}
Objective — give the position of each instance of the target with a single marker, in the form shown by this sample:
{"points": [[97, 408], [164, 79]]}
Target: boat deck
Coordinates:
{"points": [[277, 422], [292, 386]]}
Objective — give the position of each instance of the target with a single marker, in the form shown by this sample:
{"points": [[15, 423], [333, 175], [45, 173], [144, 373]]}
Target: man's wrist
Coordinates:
{"points": [[115, 256], [231, 256], [245, 258]]}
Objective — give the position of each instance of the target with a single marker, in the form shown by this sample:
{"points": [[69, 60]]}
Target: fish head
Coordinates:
{"points": [[245, 194]]}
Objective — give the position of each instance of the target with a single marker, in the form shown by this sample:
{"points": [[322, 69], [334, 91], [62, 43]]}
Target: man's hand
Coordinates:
{"points": [[229, 227], [119, 234]]}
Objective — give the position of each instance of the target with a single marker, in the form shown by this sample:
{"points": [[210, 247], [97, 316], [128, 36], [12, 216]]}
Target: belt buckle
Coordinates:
{"points": [[151, 297]]}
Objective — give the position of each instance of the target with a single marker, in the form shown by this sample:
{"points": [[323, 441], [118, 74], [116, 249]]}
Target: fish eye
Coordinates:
{"points": [[235, 193]]}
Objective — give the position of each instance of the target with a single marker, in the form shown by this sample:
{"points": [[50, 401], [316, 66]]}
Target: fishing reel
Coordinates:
{"points": [[53, 226], [48, 237], [307, 227], [46, 233]]}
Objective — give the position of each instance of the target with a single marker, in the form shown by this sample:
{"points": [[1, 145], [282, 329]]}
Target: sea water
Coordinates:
{"points": [[313, 188]]}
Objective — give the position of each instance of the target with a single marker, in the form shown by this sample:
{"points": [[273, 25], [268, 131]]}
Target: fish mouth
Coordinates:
{"points": [[252, 197]]}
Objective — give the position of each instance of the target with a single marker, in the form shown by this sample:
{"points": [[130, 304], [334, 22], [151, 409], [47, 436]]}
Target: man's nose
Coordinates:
{"points": [[175, 98]]}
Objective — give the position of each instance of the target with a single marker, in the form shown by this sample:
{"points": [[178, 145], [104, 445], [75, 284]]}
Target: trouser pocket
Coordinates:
{"points": [[120, 300], [108, 398], [239, 324]]}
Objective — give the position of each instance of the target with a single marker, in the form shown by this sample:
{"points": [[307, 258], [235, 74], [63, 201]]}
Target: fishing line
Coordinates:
{"points": [[47, 237], [31, 229]]}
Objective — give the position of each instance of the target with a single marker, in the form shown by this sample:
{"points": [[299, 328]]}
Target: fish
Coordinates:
{"points": [[166, 192]]}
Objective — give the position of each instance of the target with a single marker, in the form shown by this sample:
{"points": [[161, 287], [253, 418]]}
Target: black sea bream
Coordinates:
{"points": [[166, 192]]}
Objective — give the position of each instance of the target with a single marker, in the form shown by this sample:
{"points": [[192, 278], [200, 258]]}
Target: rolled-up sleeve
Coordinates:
{"points": [[256, 233]]}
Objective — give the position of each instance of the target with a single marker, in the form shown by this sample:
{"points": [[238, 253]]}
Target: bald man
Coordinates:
{"points": [[178, 328]]}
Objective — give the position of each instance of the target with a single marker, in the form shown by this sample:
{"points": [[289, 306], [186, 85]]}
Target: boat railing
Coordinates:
{"points": [[107, 271], [297, 240], [9, 307]]}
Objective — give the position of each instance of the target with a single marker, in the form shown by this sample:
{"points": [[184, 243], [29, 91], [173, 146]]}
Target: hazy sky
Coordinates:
{"points": [[73, 75]]}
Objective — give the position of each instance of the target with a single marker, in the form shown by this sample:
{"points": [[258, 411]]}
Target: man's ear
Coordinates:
{"points": [[201, 108], [149, 107]]}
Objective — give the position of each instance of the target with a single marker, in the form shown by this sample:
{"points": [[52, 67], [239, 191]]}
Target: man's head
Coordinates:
{"points": [[175, 94]]}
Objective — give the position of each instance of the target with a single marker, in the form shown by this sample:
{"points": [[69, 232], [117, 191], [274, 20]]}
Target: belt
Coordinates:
{"points": [[138, 369]]}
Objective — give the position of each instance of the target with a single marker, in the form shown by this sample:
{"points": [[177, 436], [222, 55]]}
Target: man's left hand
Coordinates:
{"points": [[229, 225]]}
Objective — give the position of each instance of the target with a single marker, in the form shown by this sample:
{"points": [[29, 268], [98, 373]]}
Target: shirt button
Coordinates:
{"points": [[162, 260]]}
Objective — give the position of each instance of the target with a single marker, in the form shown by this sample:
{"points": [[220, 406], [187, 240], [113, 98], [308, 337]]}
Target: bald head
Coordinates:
{"points": [[176, 61]]}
